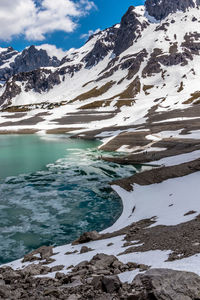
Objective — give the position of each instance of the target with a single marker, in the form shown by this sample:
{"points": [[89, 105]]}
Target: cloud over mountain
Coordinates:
{"points": [[35, 19]]}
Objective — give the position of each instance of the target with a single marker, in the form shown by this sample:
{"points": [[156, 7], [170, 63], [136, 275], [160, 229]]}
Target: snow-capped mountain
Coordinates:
{"points": [[150, 58], [13, 62], [135, 86]]}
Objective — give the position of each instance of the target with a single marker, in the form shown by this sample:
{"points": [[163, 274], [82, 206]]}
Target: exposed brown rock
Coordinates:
{"points": [[159, 174], [41, 253], [85, 249], [87, 237], [165, 284]]}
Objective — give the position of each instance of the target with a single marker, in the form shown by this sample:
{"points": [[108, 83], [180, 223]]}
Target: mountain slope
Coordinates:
{"points": [[150, 59], [136, 87]]}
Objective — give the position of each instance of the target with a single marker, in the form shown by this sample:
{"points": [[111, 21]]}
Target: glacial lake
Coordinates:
{"points": [[52, 189]]}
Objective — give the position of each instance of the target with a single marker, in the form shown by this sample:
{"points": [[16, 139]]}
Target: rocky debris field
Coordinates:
{"points": [[98, 280]]}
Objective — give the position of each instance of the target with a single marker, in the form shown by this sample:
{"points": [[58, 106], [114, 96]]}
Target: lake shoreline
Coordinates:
{"points": [[73, 171], [132, 238]]}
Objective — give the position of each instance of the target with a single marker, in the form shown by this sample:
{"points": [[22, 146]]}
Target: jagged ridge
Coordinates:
{"points": [[129, 61]]}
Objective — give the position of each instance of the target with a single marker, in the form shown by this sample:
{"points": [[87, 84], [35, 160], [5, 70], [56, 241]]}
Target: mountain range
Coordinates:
{"points": [[135, 86], [142, 68], [153, 53]]}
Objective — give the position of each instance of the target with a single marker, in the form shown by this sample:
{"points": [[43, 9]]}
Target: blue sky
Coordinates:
{"points": [[81, 16]]}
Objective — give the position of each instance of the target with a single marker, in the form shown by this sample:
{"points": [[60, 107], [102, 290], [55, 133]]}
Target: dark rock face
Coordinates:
{"points": [[11, 91], [130, 27], [175, 59], [160, 9], [101, 48], [5, 73], [30, 59], [116, 39], [157, 59], [131, 62], [40, 80], [192, 43], [7, 54], [165, 284]]}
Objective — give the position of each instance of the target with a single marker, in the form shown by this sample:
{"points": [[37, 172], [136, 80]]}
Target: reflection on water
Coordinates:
{"points": [[59, 190]]}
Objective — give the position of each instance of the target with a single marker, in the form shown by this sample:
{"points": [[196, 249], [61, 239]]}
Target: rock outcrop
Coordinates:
{"points": [[30, 59], [160, 9], [102, 47], [41, 253], [166, 284], [87, 237], [159, 284], [116, 39], [38, 81], [130, 28]]}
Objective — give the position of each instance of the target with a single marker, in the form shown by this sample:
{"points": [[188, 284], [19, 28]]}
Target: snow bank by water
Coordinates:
{"points": [[167, 202]]}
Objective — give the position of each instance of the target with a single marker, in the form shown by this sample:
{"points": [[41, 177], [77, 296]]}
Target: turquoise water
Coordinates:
{"points": [[52, 189]]}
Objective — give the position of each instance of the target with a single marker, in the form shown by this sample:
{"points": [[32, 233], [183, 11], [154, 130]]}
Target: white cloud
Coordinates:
{"points": [[90, 32], [52, 50], [35, 21]]}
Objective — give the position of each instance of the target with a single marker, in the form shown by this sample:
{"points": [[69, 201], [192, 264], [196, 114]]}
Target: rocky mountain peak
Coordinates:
{"points": [[129, 16], [32, 58], [12, 62], [127, 60], [129, 27], [104, 44], [160, 9], [117, 38]]}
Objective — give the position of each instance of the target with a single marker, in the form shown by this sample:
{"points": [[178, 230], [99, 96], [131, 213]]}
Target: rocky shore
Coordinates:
{"points": [[135, 87], [88, 271], [149, 252], [97, 279]]}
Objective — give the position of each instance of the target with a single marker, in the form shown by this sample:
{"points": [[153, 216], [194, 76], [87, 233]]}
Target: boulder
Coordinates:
{"points": [[52, 292], [5, 293], [8, 275], [85, 249], [81, 265], [57, 268], [60, 275], [166, 284], [41, 253], [73, 297], [108, 284], [103, 261], [87, 237], [71, 252], [111, 284], [97, 282], [33, 270]]}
